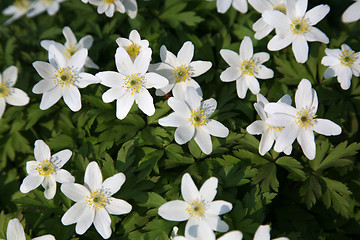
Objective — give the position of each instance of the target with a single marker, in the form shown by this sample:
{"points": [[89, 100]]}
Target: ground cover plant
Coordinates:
{"points": [[231, 118]]}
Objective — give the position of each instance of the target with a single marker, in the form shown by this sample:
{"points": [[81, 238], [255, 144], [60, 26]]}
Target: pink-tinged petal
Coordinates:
{"points": [[69, 35], [241, 87], [186, 53], [317, 13], [31, 167], [44, 69], [17, 97], [41, 151], [181, 87], [262, 233], [113, 184], [344, 78], [154, 80], [264, 72], [192, 98], [15, 230], [216, 223], [75, 191], [240, 5], [326, 127], [145, 102], [351, 14], [199, 67], [300, 49], [123, 62], [184, 133], [276, 19], [219, 207], [203, 139], [215, 128], [257, 127], [110, 78], [112, 94], [86, 79], [307, 142], [253, 84], [102, 222], [173, 120], [261, 57], [315, 35], [233, 235], [63, 176], [179, 106], [9, 76], [208, 189], [286, 137], [280, 120], [123, 105], [51, 97], [304, 94], [49, 184], [93, 176], [74, 213], [45, 237], [266, 142], [85, 221], [142, 61], [86, 42], [118, 206], [43, 86], [230, 57], [280, 107], [277, 42], [72, 98], [223, 6], [246, 48], [230, 74], [189, 190], [168, 57], [60, 158], [300, 7], [31, 182], [174, 211], [330, 60]]}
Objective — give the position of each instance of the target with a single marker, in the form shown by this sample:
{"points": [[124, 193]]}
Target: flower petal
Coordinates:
{"points": [[102, 223], [86, 42], [9, 76], [73, 214], [257, 127], [261, 57], [110, 78], [154, 80], [315, 35], [51, 97], [181, 87], [174, 211], [203, 139], [85, 221], [262, 233], [184, 133], [93, 177], [208, 189], [15, 230], [223, 6], [145, 102], [280, 107], [123, 62], [286, 137], [199, 67], [113, 184], [277, 42], [168, 57], [230, 74], [344, 78], [69, 35], [219, 207], [173, 120], [266, 142], [307, 142], [192, 98], [74, 191], [240, 5], [276, 19], [208, 106], [233, 235], [17, 97], [49, 184], [31, 182], [326, 127], [351, 14], [300, 7], [215, 128], [300, 49], [253, 84], [86, 79], [72, 98], [317, 13], [264, 72], [280, 120], [118, 206], [216, 223], [63, 176], [186, 53], [230, 57], [330, 60], [45, 237], [142, 61], [112, 94], [43, 86], [123, 105], [246, 48], [179, 106], [44, 69], [189, 190], [41, 151], [304, 94], [241, 87], [60, 158]]}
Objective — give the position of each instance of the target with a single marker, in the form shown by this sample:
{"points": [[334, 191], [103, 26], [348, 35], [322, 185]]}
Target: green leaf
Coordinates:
{"points": [[177, 156], [310, 191], [293, 166], [267, 177]]}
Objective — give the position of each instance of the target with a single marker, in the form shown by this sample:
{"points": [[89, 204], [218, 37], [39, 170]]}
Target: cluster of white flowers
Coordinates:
{"points": [[110, 6]]}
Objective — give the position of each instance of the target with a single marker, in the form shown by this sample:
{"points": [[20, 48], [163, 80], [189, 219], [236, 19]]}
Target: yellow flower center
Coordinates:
{"points": [[133, 50], [4, 90], [133, 83], [248, 67], [281, 8], [182, 74], [45, 168], [305, 118], [278, 129], [97, 200], [198, 117], [48, 2], [22, 4], [347, 57], [70, 50], [65, 77], [109, 1], [196, 209], [299, 26]]}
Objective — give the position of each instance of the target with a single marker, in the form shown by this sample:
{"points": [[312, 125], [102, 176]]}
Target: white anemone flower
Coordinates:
{"points": [[130, 83], [9, 94], [94, 201], [268, 133], [198, 207], [134, 45], [261, 28], [18, 9], [245, 68], [15, 231], [71, 46], [40, 6], [180, 70], [110, 6], [352, 13], [263, 233], [296, 27], [224, 5], [343, 64], [191, 117], [46, 170], [300, 122], [62, 78]]}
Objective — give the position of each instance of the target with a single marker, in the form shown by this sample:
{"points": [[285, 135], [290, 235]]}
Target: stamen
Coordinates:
{"points": [[45, 168], [299, 26], [65, 77], [248, 67], [109, 1], [133, 83], [278, 129], [198, 118], [281, 8], [182, 74], [132, 49], [347, 57], [305, 118], [70, 50], [4, 90], [97, 200], [22, 4], [196, 209]]}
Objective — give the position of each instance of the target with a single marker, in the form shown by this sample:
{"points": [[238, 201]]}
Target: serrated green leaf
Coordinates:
{"points": [[293, 166], [267, 177]]}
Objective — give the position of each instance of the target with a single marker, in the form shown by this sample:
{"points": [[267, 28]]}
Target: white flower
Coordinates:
{"points": [[17, 10], [261, 28], [269, 133], [208, 234], [224, 5], [245, 67], [198, 208], [131, 83], [39, 6], [352, 13], [62, 77], [134, 45], [343, 64], [46, 170], [9, 94], [71, 46], [94, 201], [191, 117], [300, 122], [15, 231], [263, 233], [110, 6], [296, 27], [180, 70]]}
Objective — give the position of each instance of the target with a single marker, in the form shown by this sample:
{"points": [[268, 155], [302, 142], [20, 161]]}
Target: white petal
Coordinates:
{"points": [[260, 34], [119, 6], [266, 142], [219, 207], [102, 223], [168, 57], [199, 67], [123, 105], [216, 223], [51, 97], [15, 230], [174, 211], [86, 42], [56, 57], [262, 233], [280, 107], [223, 6], [186, 53], [204, 232], [192, 228], [17, 97], [246, 48], [277, 42], [307, 142], [90, 63], [31, 182], [215, 128], [118, 206], [300, 49], [208, 189], [253, 84], [203, 139], [145, 102], [142, 61], [44, 69], [280, 120], [208, 106], [241, 87], [93, 177], [110, 78], [264, 73], [74, 191], [179, 106], [326, 127], [230, 74], [329, 73], [86, 79], [333, 52], [60, 158], [300, 7], [189, 190], [351, 14], [130, 8], [260, 5], [230, 57], [45, 237], [73, 214], [69, 35], [240, 5], [72, 98], [112, 94], [330, 60], [317, 13], [77, 60], [113, 184], [49, 184], [315, 35], [276, 19], [9, 76], [102, 7], [85, 221], [41, 151], [43, 86], [286, 137], [261, 57], [173, 120], [184, 133], [257, 127], [233, 235], [344, 78], [154, 80], [180, 88], [304, 94], [192, 98], [123, 62], [31, 167], [63, 176]]}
